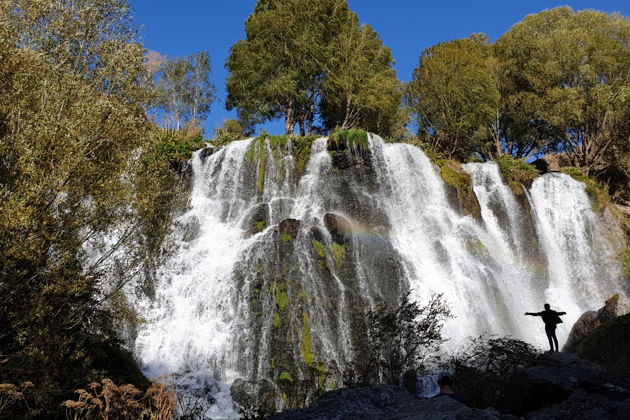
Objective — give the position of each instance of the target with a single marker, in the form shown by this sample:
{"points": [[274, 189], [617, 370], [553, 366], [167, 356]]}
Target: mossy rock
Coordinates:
{"points": [[354, 140], [516, 173]]}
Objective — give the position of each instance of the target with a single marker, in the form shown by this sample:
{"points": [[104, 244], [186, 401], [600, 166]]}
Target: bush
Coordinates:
{"points": [[484, 366]]}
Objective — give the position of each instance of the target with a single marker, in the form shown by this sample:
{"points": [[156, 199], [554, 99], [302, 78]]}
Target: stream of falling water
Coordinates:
{"points": [[486, 270]]}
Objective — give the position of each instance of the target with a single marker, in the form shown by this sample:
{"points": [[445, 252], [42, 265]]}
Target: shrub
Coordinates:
{"points": [[484, 366]]}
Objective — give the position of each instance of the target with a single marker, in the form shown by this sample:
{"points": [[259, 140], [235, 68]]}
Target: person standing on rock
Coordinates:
{"points": [[551, 319]]}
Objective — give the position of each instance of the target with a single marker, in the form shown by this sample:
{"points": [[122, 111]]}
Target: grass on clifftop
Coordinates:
{"points": [[352, 139], [516, 173]]}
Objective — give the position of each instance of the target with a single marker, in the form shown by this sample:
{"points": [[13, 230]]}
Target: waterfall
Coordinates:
{"points": [[241, 307]]}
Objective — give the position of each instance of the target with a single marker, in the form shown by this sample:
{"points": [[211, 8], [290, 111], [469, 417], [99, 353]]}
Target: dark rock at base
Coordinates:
{"points": [[551, 381], [242, 394], [609, 345], [256, 220], [384, 402], [613, 308], [338, 226], [583, 406], [289, 227]]}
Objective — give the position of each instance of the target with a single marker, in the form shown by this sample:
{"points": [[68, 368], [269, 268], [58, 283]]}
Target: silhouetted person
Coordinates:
{"points": [[551, 319], [445, 382]]}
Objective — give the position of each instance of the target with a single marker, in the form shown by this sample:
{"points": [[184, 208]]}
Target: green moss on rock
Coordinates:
{"points": [[305, 346], [276, 319], [320, 249], [351, 139], [286, 376], [339, 253], [516, 173], [286, 237], [281, 298]]}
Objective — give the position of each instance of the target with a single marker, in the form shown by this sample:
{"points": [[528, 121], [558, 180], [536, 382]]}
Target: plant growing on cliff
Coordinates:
{"points": [[403, 337]]}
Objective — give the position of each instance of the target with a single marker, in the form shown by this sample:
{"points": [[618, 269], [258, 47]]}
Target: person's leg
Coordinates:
{"points": [[549, 333], [555, 339]]}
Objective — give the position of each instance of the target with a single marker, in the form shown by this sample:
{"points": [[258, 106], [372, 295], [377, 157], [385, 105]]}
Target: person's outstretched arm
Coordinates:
{"points": [[562, 313], [533, 313]]}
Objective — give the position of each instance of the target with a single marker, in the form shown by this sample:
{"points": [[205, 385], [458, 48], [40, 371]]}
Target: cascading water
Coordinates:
{"points": [[273, 270]]}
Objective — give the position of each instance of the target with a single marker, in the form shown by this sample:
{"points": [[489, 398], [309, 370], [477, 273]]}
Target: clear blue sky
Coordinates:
{"points": [[177, 28]]}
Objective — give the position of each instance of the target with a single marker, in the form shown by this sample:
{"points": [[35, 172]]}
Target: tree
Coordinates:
{"points": [[455, 98], [93, 39], [185, 89], [569, 72], [278, 69], [78, 161], [360, 89]]}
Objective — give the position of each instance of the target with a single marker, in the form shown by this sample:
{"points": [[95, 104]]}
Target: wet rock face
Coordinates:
{"points": [[384, 402], [614, 307], [609, 345], [208, 151], [256, 220]]}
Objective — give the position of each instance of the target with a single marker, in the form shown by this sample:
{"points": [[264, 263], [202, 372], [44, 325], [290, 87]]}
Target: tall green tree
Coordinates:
{"points": [[277, 71], [184, 89], [455, 98], [569, 72], [360, 88]]}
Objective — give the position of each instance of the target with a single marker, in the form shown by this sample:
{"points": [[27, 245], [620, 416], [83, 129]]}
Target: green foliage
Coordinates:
{"points": [[338, 253], [567, 72], [598, 193], [516, 173], [277, 70], [454, 96], [286, 237], [360, 88], [320, 249], [276, 320], [260, 226]]}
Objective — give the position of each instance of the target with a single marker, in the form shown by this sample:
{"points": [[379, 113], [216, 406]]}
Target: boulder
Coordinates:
{"points": [[289, 227], [338, 226], [554, 378], [615, 306], [609, 345], [582, 405], [384, 402]]}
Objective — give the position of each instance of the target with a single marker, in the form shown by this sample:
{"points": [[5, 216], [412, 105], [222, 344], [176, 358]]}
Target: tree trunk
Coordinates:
{"points": [[289, 118]]}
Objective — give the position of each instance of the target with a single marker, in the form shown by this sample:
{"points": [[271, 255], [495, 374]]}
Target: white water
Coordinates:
{"points": [[200, 321]]}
